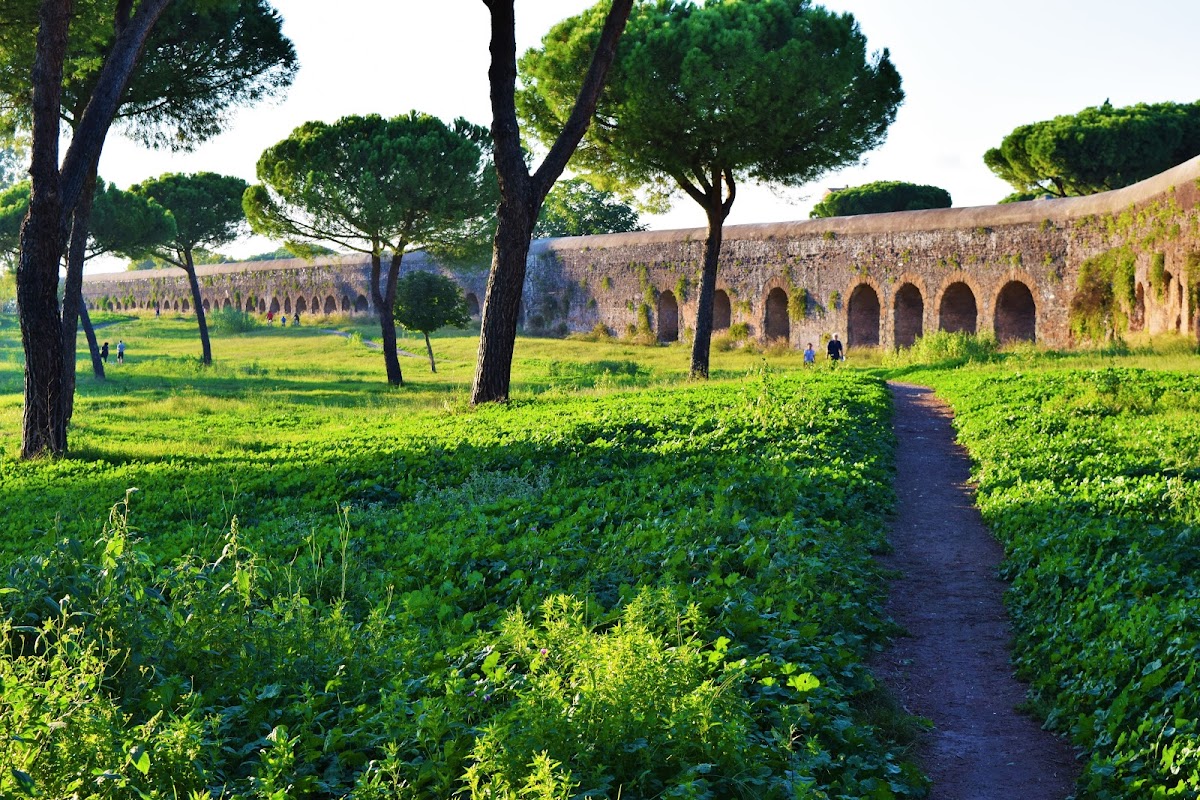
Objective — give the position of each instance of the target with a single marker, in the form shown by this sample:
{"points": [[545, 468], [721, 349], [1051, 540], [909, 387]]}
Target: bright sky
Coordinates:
{"points": [[972, 72]]}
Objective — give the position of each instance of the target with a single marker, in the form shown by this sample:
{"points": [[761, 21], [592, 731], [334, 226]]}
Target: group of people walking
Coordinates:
{"points": [[120, 352], [834, 349], [283, 319]]}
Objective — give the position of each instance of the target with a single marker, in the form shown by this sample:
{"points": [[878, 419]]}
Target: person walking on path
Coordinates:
{"points": [[121, 351], [834, 348], [810, 356]]}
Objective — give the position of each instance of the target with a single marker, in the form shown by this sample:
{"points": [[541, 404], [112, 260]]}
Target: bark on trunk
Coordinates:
{"points": [[708, 289], [42, 237], [93, 347], [73, 292], [502, 306], [384, 299], [189, 266], [54, 195], [429, 349], [522, 194]]}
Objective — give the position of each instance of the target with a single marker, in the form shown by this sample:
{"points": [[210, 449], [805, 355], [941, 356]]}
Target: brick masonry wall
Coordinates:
{"points": [[877, 279]]}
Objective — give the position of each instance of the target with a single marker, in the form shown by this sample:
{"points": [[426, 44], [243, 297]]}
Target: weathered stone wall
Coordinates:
{"points": [[882, 279]]}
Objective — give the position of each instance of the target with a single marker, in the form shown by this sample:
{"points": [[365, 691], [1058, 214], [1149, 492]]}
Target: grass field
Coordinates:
{"points": [[622, 582]]}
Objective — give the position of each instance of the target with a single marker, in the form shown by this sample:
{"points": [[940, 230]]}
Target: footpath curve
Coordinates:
{"points": [[953, 666]]}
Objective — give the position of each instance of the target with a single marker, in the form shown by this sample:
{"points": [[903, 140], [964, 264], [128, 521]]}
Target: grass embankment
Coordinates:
{"points": [[325, 586], [1087, 468]]}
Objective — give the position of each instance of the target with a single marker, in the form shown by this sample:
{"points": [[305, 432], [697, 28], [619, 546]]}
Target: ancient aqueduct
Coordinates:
{"points": [[878, 280]]}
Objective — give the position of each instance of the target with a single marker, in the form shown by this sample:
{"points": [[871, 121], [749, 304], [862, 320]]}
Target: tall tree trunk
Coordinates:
{"points": [[54, 193], [502, 304], [429, 349], [384, 299], [711, 195], [93, 347], [73, 292], [522, 194], [189, 266], [42, 237]]}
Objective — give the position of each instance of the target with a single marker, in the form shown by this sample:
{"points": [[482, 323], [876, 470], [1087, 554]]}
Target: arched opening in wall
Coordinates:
{"points": [[1137, 319], [361, 305], [722, 311], [330, 305], [1016, 314], [346, 304], [227, 304], [207, 304], [262, 305], [315, 305], [274, 309], [175, 306], [777, 325], [668, 317], [958, 311], [301, 305], [185, 306], [472, 305], [287, 304], [909, 315], [862, 317]]}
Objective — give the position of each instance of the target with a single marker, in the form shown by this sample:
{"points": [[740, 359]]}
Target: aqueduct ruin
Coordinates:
{"points": [[1023, 271]]}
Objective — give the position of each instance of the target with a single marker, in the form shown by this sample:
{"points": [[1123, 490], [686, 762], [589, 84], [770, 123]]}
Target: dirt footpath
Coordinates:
{"points": [[954, 667]]}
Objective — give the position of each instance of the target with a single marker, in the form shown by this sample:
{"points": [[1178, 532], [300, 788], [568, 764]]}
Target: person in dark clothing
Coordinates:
{"points": [[104, 353], [834, 348]]}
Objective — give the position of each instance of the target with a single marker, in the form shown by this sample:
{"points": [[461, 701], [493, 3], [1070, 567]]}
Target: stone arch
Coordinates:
{"points": [[472, 305], [346, 304], [1137, 319], [175, 306], [207, 304], [722, 315], [863, 315], [958, 311], [668, 317], [301, 305], [1016, 313], [274, 308], [185, 306], [908, 312], [361, 305], [315, 305], [776, 324], [227, 304], [287, 304], [262, 305], [330, 305]]}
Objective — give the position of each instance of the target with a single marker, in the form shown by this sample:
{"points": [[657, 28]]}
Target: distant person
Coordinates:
{"points": [[270, 317], [810, 356], [283, 320], [104, 353], [157, 311], [835, 349], [121, 351], [296, 319]]}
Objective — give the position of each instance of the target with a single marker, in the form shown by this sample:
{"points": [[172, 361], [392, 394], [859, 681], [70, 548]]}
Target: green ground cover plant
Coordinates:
{"points": [[1088, 477], [313, 585]]}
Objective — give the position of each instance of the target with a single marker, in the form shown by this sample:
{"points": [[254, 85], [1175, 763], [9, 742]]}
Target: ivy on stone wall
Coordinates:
{"points": [[1105, 296]]}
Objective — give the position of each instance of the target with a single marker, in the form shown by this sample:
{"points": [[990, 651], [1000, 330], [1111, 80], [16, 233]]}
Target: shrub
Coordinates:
{"points": [[231, 320]]}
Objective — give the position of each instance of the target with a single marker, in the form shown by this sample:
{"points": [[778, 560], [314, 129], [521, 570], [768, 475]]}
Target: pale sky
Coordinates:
{"points": [[971, 71]]}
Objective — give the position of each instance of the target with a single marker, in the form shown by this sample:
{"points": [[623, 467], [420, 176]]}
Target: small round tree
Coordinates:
{"points": [[426, 301], [881, 197]]}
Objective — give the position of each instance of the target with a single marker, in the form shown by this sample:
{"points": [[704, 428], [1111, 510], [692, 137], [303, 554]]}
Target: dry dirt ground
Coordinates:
{"points": [[953, 667]]}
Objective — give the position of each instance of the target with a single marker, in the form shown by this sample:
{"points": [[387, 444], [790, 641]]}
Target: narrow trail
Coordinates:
{"points": [[954, 666]]}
